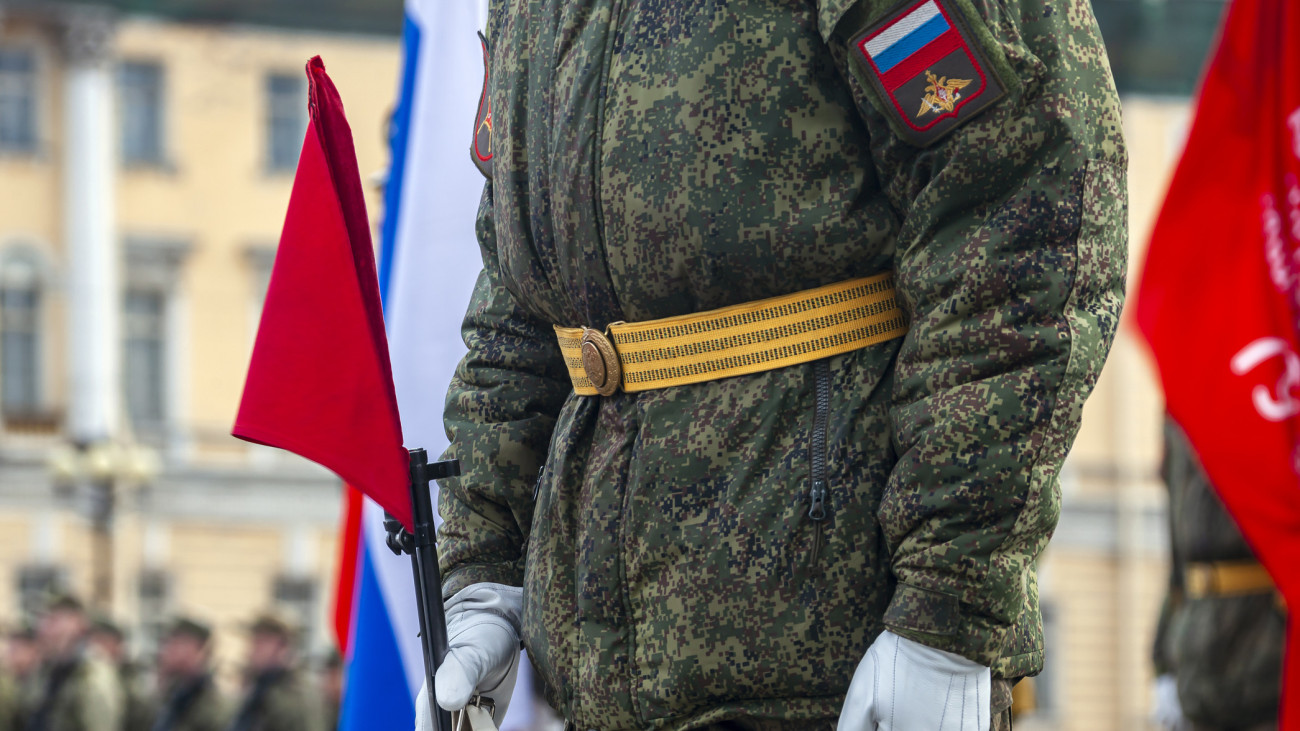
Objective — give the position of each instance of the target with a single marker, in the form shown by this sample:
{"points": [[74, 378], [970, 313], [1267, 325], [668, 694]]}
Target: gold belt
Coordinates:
{"points": [[1227, 578], [733, 341]]}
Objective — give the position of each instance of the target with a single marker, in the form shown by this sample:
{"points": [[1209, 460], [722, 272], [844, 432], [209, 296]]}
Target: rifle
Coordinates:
{"points": [[423, 547]]}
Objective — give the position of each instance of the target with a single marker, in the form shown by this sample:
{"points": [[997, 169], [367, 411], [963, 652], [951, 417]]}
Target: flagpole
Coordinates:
{"points": [[428, 581]]}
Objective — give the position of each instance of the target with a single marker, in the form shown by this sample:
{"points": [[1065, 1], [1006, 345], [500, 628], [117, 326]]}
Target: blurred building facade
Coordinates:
{"points": [[204, 134], [145, 165]]}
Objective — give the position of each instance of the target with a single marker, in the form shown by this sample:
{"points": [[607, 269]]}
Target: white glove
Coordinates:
{"points": [[483, 651], [1168, 713], [902, 685]]}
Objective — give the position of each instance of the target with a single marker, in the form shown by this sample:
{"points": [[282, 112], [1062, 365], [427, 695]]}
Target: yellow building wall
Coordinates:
{"points": [[220, 195], [216, 194]]}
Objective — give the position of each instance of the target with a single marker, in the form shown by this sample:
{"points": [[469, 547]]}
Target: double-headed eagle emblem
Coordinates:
{"points": [[941, 93]]}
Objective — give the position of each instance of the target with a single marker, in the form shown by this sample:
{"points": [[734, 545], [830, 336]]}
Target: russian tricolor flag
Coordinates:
{"points": [[912, 44], [428, 264]]}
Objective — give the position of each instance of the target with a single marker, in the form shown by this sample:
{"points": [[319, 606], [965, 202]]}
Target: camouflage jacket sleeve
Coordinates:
{"points": [[500, 411], [1010, 261]]}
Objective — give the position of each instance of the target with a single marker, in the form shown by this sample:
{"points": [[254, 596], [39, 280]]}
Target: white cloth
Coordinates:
{"points": [[1168, 713], [482, 651], [902, 685]]}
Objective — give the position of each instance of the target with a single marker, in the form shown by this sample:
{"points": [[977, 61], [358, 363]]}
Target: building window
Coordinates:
{"points": [[144, 325], [36, 583], [20, 337], [153, 345], [141, 90], [17, 100], [260, 259], [286, 103]]}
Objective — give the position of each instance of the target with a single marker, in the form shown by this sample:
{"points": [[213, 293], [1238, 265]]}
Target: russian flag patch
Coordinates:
{"points": [[929, 73]]}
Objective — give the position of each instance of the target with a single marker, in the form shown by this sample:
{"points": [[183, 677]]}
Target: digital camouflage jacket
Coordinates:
{"points": [[193, 705], [82, 694], [653, 158], [280, 700]]}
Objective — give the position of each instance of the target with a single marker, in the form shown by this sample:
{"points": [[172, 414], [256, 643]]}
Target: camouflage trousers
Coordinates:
{"points": [[1001, 722], [1001, 717]]}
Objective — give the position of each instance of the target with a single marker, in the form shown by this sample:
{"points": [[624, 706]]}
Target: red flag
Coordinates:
{"points": [[319, 383], [1219, 302]]}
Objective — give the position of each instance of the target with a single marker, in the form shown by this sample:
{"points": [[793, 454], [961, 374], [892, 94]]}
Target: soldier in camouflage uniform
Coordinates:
{"points": [[79, 689], [725, 553], [331, 687], [191, 700], [1222, 629], [110, 642], [9, 703], [18, 673], [279, 697], [11, 689]]}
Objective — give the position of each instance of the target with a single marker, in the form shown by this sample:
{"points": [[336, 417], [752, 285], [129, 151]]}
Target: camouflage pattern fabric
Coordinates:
{"points": [[664, 157], [139, 706], [1000, 722], [1225, 651], [11, 709], [82, 695], [280, 701], [22, 696], [1001, 718], [194, 706]]}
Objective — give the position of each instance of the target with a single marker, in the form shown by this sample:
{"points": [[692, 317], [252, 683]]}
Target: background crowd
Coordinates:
{"points": [[71, 671]]}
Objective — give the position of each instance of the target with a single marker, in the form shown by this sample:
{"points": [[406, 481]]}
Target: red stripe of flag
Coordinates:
{"points": [[926, 56], [349, 555]]}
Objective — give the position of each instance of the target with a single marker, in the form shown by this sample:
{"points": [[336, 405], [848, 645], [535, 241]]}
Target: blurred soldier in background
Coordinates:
{"points": [[22, 661], [9, 701], [190, 699], [1218, 651], [78, 689], [331, 687], [108, 639], [279, 697], [16, 668]]}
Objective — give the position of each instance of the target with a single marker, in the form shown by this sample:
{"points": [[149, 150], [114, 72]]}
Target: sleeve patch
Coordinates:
{"points": [[481, 148], [928, 72]]}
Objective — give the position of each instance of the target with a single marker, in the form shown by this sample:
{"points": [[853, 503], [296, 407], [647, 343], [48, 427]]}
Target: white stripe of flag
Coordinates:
{"points": [[901, 28]]}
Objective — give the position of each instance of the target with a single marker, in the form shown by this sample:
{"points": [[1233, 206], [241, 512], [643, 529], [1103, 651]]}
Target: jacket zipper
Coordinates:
{"points": [[818, 490]]}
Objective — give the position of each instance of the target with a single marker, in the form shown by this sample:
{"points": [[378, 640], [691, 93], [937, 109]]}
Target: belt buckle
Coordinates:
{"points": [[460, 719], [600, 362]]}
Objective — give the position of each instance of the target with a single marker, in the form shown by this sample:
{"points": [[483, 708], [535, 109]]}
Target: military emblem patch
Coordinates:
{"points": [[481, 148], [929, 73]]}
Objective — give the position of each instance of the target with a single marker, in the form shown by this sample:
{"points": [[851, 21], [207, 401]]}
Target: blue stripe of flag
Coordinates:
{"points": [[911, 43], [377, 695], [399, 136]]}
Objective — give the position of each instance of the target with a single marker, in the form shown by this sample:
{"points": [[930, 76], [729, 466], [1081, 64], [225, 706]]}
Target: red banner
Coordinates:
{"points": [[320, 383], [1219, 301]]}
